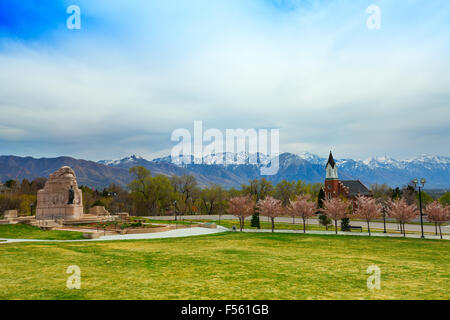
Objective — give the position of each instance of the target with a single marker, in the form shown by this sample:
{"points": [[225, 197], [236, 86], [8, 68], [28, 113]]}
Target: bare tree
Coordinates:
{"points": [[367, 209], [409, 194], [187, 186]]}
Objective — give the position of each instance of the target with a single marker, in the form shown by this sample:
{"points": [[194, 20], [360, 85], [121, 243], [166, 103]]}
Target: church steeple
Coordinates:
{"points": [[331, 160], [331, 168]]}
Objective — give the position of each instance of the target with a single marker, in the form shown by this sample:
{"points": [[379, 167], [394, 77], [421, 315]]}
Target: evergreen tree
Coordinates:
{"points": [[396, 194], [255, 221], [324, 220], [320, 198], [345, 224]]}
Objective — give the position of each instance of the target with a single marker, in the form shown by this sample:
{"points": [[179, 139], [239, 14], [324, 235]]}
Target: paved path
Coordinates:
{"points": [[188, 232], [314, 221]]}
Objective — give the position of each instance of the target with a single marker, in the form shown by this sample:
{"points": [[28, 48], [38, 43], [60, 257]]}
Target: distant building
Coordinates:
{"points": [[334, 187]]}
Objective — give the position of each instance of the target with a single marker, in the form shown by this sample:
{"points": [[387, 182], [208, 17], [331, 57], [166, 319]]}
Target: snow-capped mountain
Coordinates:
{"points": [[234, 169], [378, 162], [435, 169], [134, 160], [224, 159], [313, 158], [306, 167]]}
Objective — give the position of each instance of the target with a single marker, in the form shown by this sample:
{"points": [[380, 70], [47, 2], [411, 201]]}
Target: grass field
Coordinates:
{"points": [[21, 231], [229, 266]]}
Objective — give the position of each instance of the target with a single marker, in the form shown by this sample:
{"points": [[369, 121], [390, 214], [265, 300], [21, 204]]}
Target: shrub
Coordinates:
{"points": [[255, 221], [325, 221], [345, 224]]}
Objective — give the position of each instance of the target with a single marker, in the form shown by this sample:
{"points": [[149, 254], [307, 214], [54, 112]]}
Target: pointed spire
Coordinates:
{"points": [[331, 160]]}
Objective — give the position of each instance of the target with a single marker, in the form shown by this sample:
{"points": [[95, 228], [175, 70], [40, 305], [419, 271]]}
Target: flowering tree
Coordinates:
{"points": [[367, 209], [302, 207], [403, 212], [270, 207], [241, 207], [335, 209], [438, 214]]}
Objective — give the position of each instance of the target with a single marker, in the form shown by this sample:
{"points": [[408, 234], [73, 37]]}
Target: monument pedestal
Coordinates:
{"points": [[54, 200]]}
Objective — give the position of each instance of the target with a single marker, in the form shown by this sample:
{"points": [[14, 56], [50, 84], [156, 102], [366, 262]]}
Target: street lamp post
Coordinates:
{"points": [[416, 182], [175, 209]]}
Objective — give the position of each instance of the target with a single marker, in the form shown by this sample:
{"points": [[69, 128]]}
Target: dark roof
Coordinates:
{"points": [[331, 160], [356, 187]]}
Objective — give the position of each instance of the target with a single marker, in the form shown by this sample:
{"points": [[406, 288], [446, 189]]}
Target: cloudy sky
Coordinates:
{"points": [[137, 70]]}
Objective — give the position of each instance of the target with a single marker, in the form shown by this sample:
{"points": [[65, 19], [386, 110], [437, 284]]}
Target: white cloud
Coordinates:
{"points": [[319, 75], [11, 134]]}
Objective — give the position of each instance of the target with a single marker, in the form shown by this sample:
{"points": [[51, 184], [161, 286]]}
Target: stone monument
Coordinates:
{"points": [[60, 197]]}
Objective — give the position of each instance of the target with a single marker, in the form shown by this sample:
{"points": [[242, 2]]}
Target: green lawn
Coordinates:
{"points": [[21, 231], [229, 266]]}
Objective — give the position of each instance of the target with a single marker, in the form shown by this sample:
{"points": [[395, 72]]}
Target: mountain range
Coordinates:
{"points": [[305, 166]]}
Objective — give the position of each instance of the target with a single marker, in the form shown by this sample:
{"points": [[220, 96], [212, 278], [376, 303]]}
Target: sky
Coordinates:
{"points": [[138, 70]]}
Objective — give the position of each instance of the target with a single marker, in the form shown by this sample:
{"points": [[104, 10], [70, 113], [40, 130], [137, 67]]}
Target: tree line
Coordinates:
{"points": [[20, 196], [148, 195], [398, 206]]}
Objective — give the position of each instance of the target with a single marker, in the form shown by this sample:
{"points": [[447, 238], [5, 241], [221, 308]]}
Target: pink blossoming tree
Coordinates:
{"points": [[438, 214], [241, 207], [367, 209], [336, 209], [401, 211], [270, 207], [302, 207]]}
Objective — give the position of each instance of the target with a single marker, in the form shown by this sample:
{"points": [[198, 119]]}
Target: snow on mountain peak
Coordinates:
{"points": [[430, 158], [130, 159], [311, 157], [383, 161], [228, 158]]}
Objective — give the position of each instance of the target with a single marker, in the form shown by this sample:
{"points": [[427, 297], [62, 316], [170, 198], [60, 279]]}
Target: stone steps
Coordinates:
{"points": [[45, 224], [88, 218]]}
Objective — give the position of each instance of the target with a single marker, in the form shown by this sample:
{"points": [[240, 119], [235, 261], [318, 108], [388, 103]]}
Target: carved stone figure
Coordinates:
{"points": [[71, 195]]}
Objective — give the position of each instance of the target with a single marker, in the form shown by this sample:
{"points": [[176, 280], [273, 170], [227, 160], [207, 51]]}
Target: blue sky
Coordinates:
{"points": [[137, 70]]}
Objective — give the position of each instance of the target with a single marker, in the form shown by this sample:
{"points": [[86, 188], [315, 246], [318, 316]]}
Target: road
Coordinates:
{"points": [[313, 221]]}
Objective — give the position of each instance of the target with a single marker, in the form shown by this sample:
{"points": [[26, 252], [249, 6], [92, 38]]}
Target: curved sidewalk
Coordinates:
{"points": [[179, 233], [204, 231]]}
